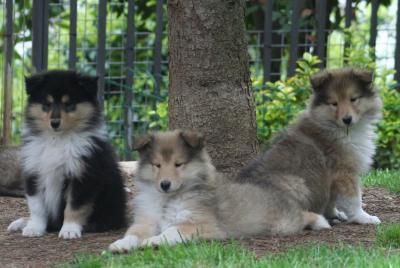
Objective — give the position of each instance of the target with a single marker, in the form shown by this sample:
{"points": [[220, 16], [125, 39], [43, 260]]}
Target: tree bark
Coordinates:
{"points": [[209, 87]]}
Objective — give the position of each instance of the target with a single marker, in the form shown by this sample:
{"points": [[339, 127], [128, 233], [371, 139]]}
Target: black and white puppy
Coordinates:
{"points": [[73, 181]]}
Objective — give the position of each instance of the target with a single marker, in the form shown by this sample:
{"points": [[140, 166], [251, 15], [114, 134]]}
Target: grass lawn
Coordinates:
{"points": [[384, 253], [383, 178]]}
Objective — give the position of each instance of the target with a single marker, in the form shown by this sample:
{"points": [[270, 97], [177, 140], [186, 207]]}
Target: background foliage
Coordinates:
{"points": [[277, 102]]}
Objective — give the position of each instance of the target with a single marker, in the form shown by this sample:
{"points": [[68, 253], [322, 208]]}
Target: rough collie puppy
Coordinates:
{"points": [[73, 182], [315, 165], [181, 197], [176, 197]]}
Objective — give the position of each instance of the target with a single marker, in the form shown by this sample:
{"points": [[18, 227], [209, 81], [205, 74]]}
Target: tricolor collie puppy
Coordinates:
{"points": [[73, 182], [176, 197], [315, 165]]}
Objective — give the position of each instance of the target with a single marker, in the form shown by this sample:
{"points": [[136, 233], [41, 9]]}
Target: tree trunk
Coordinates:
{"points": [[210, 88]]}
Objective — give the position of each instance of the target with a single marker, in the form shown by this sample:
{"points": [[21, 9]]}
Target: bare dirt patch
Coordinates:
{"points": [[47, 251]]}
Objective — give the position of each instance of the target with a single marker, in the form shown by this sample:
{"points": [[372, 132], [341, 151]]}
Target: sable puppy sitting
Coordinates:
{"points": [[73, 182], [317, 162]]}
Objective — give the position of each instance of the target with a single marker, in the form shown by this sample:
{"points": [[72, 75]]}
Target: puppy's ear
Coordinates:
{"points": [[89, 84], [33, 82], [192, 138], [319, 80], [364, 76], [142, 142]]}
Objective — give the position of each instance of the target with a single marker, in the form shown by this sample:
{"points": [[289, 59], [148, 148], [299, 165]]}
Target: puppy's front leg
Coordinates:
{"points": [[184, 232], [74, 220], [77, 211], [37, 222], [349, 200], [144, 227]]}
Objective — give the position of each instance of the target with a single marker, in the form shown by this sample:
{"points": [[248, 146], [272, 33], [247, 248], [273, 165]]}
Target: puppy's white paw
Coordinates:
{"points": [[70, 231], [341, 215], [17, 225], [125, 244], [170, 236], [321, 223], [33, 229], [153, 241], [364, 218]]}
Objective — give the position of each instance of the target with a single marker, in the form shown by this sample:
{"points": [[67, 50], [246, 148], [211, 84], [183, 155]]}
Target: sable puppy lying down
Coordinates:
{"points": [[180, 196]]}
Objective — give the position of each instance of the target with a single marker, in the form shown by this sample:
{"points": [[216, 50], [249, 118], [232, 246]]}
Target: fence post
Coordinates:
{"points": [[130, 58], [40, 30], [157, 51], [72, 35], [321, 34], [347, 23], [267, 39], [101, 50], [294, 37], [374, 26], [397, 49], [8, 51]]}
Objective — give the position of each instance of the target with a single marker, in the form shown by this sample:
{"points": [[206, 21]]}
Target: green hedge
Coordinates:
{"points": [[279, 102]]}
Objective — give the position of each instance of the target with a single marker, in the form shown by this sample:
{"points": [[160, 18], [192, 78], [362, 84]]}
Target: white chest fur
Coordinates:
{"points": [[360, 143], [53, 157], [162, 211]]}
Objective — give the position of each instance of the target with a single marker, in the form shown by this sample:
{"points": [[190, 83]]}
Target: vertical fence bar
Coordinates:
{"points": [[294, 37], [397, 48], [374, 26], [8, 51], [348, 14], [347, 23], [72, 35], [157, 51], [267, 40], [101, 50], [321, 34], [40, 30], [129, 72]]}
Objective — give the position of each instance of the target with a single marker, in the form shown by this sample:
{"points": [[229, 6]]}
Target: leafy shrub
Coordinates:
{"points": [[279, 102], [388, 147]]}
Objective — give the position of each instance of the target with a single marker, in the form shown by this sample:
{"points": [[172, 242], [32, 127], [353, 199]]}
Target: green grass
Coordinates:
{"points": [[213, 254], [388, 235], [383, 178]]}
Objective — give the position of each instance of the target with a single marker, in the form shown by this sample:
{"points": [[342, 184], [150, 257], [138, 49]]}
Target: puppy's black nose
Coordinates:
{"points": [[55, 123], [165, 185], [347, 119]]}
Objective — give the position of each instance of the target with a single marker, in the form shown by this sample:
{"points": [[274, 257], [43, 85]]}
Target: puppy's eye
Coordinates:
{"points": [[334, 104], [178, 164], [353, 99], [70, 107], [46, 107], [157, 165]]}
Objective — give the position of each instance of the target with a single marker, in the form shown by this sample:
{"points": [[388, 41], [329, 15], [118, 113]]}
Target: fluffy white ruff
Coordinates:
{"points": [[53, 156]]}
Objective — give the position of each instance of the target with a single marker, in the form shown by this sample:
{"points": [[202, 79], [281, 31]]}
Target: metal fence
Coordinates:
{"points": [[101, 37]]}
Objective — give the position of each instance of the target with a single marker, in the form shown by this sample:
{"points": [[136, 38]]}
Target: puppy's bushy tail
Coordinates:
{"points": [[315, 221]]}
